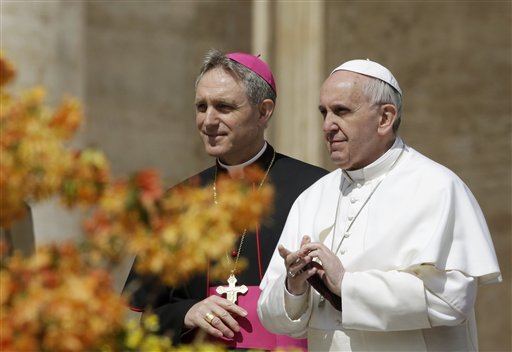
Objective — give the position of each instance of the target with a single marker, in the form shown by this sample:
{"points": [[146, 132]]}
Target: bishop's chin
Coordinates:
{"points": [[215, 151]]}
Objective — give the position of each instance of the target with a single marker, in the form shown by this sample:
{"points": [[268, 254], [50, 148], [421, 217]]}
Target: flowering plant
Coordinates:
{"points": [[61, 297]]}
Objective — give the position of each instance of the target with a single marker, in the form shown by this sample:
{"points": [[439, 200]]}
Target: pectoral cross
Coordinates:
{"points": [[231, 291]]}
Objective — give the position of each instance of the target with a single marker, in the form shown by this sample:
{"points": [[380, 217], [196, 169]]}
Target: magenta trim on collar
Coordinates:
{"points": [[255, 64]]}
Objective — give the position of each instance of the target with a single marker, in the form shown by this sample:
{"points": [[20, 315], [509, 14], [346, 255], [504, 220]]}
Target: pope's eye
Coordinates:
{"points": [[339, 111], [323, 112], [200, 107]]}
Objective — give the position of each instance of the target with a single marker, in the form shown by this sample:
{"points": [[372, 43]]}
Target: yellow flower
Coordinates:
{"points": [[150, 322], [134, 338]]}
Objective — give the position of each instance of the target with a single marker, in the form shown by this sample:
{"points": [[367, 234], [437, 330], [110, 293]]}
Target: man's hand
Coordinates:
{"points": [[215, 316], [332, 270], [294, 263]]}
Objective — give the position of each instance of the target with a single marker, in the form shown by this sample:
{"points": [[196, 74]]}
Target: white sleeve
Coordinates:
{"points": [[278, 310], [451, 295], [418, 298], [295, 305]]}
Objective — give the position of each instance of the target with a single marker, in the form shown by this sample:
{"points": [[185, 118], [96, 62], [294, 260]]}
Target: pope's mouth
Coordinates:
{"points": [[337, 141]]}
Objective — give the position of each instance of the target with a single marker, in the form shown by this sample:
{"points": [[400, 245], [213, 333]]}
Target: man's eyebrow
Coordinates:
{"points": [[225, 101], [341, 107], [335, 106]]}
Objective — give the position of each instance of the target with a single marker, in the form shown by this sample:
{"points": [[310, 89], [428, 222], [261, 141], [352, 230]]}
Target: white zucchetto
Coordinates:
{"points": [[370, 68]]}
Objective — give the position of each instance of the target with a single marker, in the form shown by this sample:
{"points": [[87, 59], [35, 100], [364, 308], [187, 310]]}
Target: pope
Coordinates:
{"points": [[398, 241]]}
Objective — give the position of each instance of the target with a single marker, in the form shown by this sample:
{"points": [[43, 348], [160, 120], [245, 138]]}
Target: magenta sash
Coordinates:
{"points": [[252, 333]]}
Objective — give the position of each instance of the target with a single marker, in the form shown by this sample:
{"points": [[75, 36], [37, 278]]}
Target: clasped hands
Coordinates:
{"points": [[331, 270]]}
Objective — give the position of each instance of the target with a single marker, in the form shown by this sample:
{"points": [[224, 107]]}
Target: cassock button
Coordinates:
{"points": [[234, 253], [346, 235], [353, 199], [343, 251]]}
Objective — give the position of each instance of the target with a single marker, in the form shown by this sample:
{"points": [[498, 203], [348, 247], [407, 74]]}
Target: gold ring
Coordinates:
{"points": [[209, 317]]}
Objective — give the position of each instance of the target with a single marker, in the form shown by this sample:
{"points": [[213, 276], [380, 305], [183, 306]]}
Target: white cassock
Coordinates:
{"points": [[414, 255]]}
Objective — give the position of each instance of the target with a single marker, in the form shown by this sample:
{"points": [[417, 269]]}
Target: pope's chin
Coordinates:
{"points": [[337, 159]]}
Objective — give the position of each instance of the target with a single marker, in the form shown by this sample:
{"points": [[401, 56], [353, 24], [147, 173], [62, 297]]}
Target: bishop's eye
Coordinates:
{"points": [[224, 108]]}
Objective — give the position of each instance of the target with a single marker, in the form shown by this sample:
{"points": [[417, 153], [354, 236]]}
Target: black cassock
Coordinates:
{"points": [[289, 177]]}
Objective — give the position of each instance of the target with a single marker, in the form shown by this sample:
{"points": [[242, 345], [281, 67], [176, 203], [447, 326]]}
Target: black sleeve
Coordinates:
{"points": [[172, 316], [170, 305], [144, 291]]}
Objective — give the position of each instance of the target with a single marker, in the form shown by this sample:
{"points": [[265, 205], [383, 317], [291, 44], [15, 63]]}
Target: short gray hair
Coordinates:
{"points": [[379, 92], [256, 88]]}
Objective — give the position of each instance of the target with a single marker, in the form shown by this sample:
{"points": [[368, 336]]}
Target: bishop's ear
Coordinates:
{"points": [[266, 111], [387, 118]]}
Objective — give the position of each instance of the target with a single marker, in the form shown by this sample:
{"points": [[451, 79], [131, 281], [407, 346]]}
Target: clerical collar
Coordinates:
{"points": [[378, 167], [238, 169]]}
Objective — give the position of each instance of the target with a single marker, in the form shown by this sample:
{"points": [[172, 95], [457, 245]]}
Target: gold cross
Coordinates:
{"points": [[231, 291]]}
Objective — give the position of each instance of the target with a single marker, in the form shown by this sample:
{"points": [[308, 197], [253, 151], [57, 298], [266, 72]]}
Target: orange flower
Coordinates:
{"points": [[7, 71], [150, 187], [85, 181], [61, 298], [33, 158], [66, 119], [54, 301]]}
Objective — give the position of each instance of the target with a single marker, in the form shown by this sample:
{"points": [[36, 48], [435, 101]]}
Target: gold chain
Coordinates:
{"points": [[245, 230]]}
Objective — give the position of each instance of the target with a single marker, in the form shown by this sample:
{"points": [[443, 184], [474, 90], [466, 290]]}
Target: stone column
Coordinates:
{"points": [[299, 70], [45, 42]]}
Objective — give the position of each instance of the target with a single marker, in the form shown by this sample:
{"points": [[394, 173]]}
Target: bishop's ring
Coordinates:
{"points": [[209, 317]]}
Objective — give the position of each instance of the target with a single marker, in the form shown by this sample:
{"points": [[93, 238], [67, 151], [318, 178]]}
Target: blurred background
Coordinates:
{"points": [[133, 65]]}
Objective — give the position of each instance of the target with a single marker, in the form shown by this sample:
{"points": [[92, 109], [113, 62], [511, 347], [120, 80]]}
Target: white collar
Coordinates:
{"points": [[238, 169], [378, 167]]}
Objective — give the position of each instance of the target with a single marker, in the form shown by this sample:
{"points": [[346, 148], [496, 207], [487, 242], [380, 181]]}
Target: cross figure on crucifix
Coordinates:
{"points": [[231, 291]]}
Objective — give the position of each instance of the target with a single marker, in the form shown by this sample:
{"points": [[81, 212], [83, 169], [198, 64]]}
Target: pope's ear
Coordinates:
{"points": [[387, 118], [266, 110]]}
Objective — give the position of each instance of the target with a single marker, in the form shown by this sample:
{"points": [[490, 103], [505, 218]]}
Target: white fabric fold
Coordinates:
{"points": [[414, 256]]}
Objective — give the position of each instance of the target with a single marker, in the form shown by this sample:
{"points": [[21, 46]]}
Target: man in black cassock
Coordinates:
{"points": [[235, 98]]}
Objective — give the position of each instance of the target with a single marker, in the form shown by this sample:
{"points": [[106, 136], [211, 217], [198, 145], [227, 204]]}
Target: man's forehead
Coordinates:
{"points": [[219, 85], [219, 80], [343, 81], [343, 88], [219, 74]]}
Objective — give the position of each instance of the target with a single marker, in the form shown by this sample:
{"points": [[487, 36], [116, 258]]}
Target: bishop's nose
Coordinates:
{"points": [[211, 117]]}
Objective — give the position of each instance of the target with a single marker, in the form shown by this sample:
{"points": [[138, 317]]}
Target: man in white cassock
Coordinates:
{"points": [[398, 240]]}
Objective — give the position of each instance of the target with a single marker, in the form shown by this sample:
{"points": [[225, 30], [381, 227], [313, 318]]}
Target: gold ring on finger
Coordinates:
{"points": [[209, 317]]}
